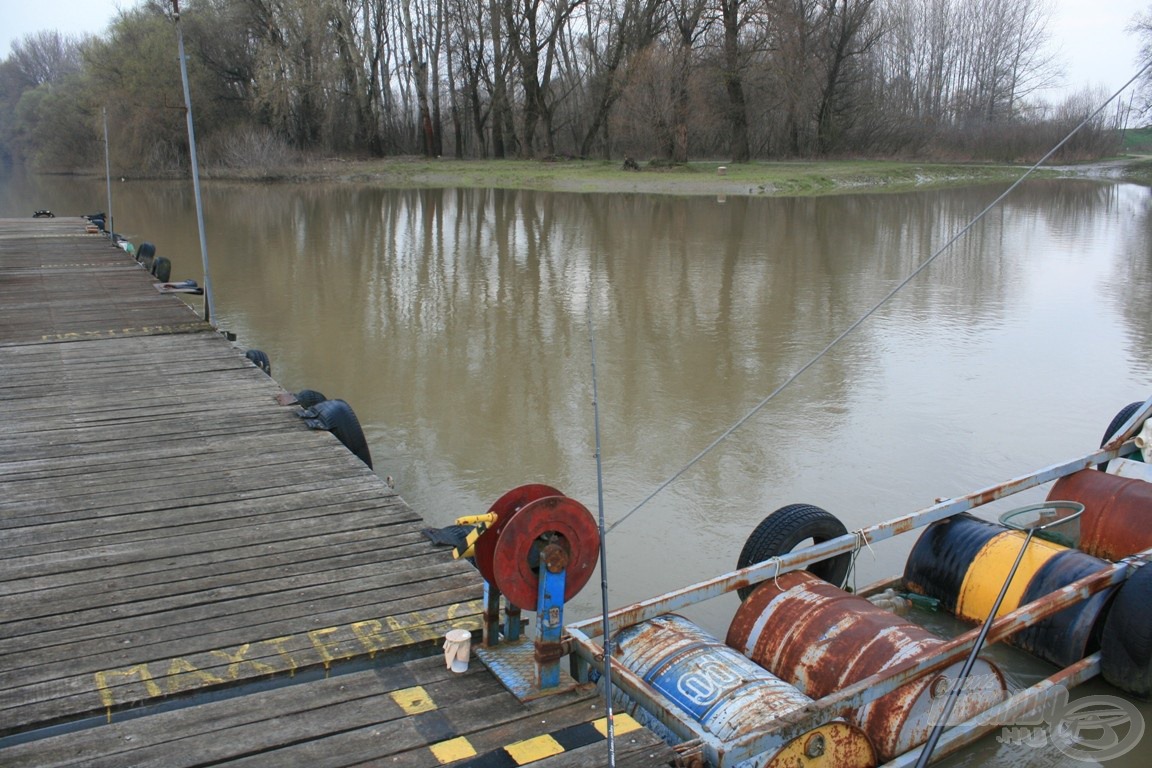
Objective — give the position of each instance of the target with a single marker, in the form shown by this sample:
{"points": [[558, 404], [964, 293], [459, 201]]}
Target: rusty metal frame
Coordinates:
{"points": [[1011, 710], [588, 651]]}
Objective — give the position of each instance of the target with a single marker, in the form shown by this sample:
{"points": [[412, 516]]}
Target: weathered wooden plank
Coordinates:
{"points": [[129, 596], [174, 732], [347, 720], [164, 497], [29, 643], [40, 613], [129, 684], [128, 525], [174, 495], [205, 482], [117, 553], [36, 666], [404, 741], [246, 452], [169, 528], [271, 555], [149, 470]]}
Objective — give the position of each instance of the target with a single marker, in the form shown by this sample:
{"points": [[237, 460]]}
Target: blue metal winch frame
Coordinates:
{"points": [[528, 670]]}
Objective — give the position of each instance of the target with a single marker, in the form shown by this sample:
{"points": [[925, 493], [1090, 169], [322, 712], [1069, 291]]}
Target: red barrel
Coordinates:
{"points": [[823, 639], [1117, 519]]}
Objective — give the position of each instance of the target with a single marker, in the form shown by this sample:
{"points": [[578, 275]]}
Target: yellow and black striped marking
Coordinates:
{"points": [[530, 750], [469, 547]]}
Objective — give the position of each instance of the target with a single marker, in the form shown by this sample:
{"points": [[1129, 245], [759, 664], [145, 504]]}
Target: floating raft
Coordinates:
{"points": [[175, 542]]}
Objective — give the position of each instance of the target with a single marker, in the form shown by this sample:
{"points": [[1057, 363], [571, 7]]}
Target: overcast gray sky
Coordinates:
{"points": [[1089, 34]]}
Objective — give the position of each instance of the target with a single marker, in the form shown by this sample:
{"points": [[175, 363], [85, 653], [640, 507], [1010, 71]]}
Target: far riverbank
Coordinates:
{"points": [[713, 178], [697, 178]]}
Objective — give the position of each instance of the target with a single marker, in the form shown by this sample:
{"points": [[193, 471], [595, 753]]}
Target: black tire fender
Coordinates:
{"points": [[1118, 420], [781, 531], [307, 398], [260, 360], [337, 417], [1126, 643], [161, 269], [145, 251]]}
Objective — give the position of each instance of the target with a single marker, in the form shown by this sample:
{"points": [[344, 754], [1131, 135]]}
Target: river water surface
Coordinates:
{"points": [[456, 324]]}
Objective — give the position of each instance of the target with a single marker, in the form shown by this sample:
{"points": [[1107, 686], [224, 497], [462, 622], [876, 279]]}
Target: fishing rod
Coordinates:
{"points": [[884, 300], [209, 310], [603, 558]]}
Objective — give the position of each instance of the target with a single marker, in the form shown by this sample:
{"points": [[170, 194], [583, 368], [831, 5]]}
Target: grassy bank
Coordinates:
{"points": [[1139, 171], [698, 178]]}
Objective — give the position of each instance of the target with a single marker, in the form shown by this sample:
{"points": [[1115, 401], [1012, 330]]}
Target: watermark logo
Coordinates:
{"points": [[1091, 729]]}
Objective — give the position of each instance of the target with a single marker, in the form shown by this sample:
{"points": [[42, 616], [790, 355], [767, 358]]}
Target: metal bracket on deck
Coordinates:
{"points": [[528, 667]]}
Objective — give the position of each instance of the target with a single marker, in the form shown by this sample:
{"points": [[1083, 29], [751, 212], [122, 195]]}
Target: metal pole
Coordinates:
{"points": [[603, 559], [108, 176], [209, 310]]}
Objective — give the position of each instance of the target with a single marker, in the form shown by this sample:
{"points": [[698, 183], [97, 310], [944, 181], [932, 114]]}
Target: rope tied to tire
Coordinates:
{"points": [[860, 541], [776, 573]]}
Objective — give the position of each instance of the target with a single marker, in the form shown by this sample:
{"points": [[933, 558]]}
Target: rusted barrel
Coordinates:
{"points": [[824, 639], [1117, 519], [968, 579], [727, 694]]}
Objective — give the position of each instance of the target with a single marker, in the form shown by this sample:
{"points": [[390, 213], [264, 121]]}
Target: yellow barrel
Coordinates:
{"points": [[964, 562], [989, 570]]}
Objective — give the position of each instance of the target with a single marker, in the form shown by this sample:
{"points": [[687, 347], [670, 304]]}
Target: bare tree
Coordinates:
{"points": [[1142, 27], [534, 30], [732, 21], [292, 51], [46, 56], [686, 20], [355, 28], [849, 32], [615, 31], [423, 34]]}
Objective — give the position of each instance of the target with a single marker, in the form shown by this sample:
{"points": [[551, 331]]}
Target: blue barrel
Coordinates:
{"points": [[727, 694], [1068, 636]]}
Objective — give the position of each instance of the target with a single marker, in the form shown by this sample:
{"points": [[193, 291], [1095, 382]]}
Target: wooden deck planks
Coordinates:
{"points": [[347, 720], [168, 529], [57, 283], [166, 525]]}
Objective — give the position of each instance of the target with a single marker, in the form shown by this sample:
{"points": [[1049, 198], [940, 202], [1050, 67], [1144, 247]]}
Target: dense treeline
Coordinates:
{"points": [[657, 79]]}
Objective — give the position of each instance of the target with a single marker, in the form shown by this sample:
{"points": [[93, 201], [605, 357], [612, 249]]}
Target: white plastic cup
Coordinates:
{"points": [[457, 647]]}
